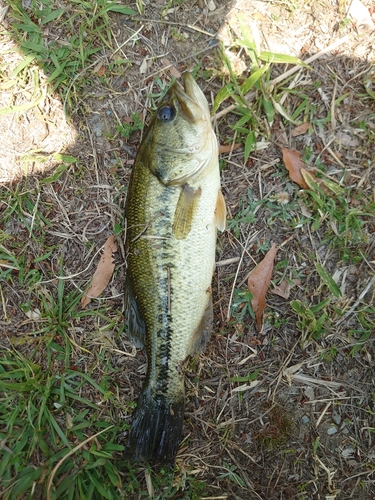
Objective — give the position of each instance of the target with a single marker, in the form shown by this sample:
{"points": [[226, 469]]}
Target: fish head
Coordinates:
{"points": [[180, 143]]}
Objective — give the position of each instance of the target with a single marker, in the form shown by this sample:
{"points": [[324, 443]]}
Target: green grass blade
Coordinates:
{"points": [[271, 57], [52, 16], [221, 96], [26, 61], [328, 280], [253, 78]]}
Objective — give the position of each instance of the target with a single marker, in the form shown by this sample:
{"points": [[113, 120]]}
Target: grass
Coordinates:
{"points": [[86, 26], [68, 379]]}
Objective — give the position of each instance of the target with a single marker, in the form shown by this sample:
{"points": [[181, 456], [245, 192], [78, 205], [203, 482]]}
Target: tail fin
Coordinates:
{"points": [[156, 429]]}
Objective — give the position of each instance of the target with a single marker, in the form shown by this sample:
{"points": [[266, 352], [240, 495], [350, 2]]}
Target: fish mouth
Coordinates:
{"points": [[191, 99]]}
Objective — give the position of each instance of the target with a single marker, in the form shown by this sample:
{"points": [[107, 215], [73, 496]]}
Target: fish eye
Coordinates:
{"points": [[166, 113]]}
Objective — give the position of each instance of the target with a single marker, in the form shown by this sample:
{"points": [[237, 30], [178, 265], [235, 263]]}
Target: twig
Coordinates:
{"points": [[356, 303], [172, 23], [227, 262], [236, 276], [71, 452], [190, 56]]}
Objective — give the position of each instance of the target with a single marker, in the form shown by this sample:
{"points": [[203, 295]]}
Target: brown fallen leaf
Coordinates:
{"points": [[225, 148], [284, 287], [258, 283], [102, 274], [293, 163], [313, 182], [301, 129], [258, 16], [99, 69], [172, 69], [254, 341]]}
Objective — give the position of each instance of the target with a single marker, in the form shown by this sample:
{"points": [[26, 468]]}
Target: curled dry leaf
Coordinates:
{"points": [[172, 69], [301, 129], [103, 272], [258, 284], [294, 164], [284, 287], [145, 66], [99, 69], [282, 290], [225, 148]]}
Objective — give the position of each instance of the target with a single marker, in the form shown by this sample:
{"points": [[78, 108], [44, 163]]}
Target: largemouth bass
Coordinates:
{"points": [[174, 206]]}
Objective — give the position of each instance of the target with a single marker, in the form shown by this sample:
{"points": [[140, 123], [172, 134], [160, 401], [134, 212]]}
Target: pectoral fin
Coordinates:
{"points": [[134, 324], [220, 212], [186, 207]]}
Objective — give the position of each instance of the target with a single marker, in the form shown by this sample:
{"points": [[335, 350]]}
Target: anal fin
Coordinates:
{"points": [[202, 333], [135, 326]]}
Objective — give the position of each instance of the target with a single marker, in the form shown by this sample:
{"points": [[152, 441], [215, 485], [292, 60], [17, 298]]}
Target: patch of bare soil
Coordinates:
{"points": [[31, 137], [304, 426]]}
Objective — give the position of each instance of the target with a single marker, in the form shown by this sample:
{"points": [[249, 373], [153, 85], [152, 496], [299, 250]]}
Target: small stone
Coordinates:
{"points": [[211, 5], [347, 452], [336, 418], [332, 430], [305, 419]]}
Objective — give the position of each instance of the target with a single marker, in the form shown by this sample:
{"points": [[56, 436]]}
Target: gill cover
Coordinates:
{"points": [[180, 138]]}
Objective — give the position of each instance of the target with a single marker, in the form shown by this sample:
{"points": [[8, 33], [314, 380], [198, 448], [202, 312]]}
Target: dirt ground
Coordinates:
{"points": [[304, 426]]}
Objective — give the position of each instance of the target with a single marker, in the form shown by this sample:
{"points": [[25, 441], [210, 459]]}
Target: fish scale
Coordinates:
{"points": [[173, 207]]}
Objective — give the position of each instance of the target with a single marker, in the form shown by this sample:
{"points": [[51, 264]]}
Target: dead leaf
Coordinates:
{"points": [[254, 341], [294, 164], [101, 72], [347, 140], [258, 16], [313, 182], [301, 129], [145, 66], [172, 69], [258, 283], [284, 287], [99, 69], [225, 148], [102, 274], [305, 211]]}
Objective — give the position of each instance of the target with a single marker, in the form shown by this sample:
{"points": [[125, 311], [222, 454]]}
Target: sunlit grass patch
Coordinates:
{"points": [[86, 30]]}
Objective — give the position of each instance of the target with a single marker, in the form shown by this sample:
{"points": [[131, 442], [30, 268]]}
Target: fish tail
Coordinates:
{"points": [[156, 428]]}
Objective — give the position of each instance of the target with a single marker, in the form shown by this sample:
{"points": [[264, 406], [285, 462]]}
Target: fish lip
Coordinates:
{"points": [[189, 84], [191, 99]]}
